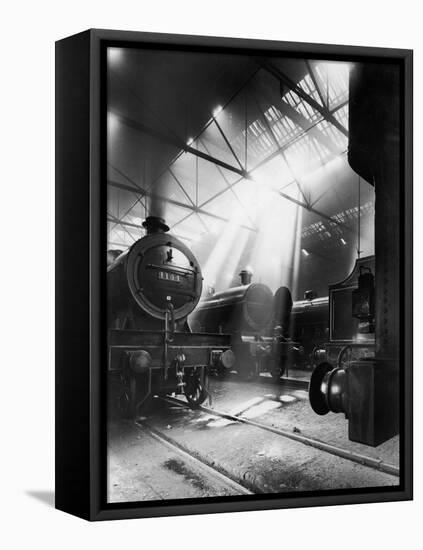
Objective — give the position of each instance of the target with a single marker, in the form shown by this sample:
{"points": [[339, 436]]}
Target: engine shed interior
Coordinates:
{"points": [[245, 159], [250, 264]]}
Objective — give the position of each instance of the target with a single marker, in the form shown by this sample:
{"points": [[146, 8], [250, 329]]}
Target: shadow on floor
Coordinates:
{"points": [[46, 497]]}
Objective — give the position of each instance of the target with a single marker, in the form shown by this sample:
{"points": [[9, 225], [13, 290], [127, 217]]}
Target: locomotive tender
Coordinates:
{"points": [[152, 288]]}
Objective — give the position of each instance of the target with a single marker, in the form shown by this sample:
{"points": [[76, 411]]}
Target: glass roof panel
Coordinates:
{"points": [[341, 116], [309, 87], [339, 139], [301, 106], [334, 78]]}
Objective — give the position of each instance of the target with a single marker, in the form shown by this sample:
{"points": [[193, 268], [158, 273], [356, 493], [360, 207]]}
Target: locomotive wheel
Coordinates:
{"points": [[195, 390]]}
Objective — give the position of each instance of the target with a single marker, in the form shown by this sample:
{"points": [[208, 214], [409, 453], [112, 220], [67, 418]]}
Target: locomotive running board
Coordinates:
{"points": [[132, 338]]}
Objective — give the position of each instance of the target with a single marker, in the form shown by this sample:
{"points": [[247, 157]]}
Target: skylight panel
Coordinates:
{"points": [[341, 115], [335, 79]]}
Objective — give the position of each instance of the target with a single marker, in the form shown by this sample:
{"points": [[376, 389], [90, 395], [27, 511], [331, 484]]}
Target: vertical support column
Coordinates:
{"points": [[375, 154]]}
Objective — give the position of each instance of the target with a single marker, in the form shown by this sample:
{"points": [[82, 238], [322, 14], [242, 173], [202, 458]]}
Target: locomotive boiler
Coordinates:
{"points": [[243, 312], [151, 289]]}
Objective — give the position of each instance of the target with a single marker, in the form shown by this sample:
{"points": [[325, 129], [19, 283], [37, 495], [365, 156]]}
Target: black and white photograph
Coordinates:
{"points": [[253, 274], [210, 290]]}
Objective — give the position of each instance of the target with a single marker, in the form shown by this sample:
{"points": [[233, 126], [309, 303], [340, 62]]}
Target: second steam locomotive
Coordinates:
{"points": [[269, 333]]}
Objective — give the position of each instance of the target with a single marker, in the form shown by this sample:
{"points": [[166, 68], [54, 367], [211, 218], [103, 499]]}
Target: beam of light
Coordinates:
{"points": [[219, 268], [296, 255], [190, 141], [272, 253], [321, 173], [343, 241], [230, 271], [305, 252]]}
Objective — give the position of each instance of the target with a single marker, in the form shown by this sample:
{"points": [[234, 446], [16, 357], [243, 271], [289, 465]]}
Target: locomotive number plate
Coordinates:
{"points": [[169, 276]]}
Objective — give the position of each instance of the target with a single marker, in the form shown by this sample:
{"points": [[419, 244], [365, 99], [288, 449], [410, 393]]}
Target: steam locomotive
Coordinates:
{"points": [[341, 380], [243, 312], [152, 288], [268, 332]]}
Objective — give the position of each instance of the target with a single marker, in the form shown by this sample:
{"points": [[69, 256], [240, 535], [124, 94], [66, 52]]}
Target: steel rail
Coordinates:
{"points": [[201, 463], [364, 460], [294, 383]]}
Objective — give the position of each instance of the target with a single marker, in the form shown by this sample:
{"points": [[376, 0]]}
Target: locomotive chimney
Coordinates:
{"points": [[154, 224], [246, 276]]}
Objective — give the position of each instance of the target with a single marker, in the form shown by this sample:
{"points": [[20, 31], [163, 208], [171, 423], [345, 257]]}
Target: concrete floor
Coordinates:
{"points": [[141, 468]]}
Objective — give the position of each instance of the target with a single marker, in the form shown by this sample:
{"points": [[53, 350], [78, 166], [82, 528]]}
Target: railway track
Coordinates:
{"points": [[286, 381], [205, 466], [363, 460]]}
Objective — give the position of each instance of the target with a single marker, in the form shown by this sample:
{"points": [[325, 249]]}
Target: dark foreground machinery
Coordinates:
{"points": [[367, 388], [339, 383], [346, 378], [151, 290]]}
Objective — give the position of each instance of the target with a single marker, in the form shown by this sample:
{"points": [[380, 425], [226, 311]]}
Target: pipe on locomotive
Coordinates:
{"points": [[155, 224], [246, 276]]}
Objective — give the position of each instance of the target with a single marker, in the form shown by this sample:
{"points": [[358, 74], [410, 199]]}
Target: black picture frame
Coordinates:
{"points": [[80, 275]]}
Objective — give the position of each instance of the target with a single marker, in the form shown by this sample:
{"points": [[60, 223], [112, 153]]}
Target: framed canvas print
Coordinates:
{"points": [[234, 288]]}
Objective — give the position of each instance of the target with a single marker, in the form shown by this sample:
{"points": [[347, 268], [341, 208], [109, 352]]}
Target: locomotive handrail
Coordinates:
{"points": [[170, 311], [168, 335]]}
